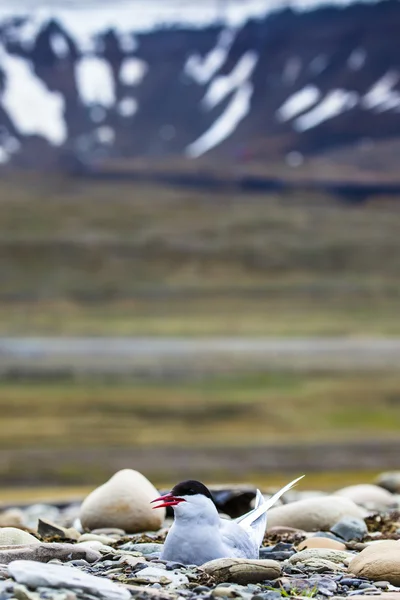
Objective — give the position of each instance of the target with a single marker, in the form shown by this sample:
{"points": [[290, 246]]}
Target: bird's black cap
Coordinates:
{"points": [[191, 488]]}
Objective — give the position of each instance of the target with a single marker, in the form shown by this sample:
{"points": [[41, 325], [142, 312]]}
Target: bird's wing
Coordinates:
{"points": [[237, 542], [255, 521]]}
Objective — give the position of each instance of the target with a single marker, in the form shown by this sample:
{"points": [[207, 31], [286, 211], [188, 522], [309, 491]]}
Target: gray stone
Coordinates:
{"points": [[47, 529], [145, 549], [322, 559], [158, 575], [241, 570], [34, 575], [350, 528], [46, 552]]}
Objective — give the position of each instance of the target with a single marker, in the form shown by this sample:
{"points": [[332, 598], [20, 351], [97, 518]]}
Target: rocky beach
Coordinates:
{"points": [[317, 545]]}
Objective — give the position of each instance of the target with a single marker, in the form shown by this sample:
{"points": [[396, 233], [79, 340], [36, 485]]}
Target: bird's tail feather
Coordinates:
{"points": [[256, 519]]}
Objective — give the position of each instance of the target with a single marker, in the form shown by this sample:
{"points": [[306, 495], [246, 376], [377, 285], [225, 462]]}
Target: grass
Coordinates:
{"points": [[80, 258], [213, 315], [251, 410]]}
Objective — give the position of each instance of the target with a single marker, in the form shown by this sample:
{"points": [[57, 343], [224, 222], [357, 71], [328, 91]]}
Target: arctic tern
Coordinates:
{"points": [[199, 534]]}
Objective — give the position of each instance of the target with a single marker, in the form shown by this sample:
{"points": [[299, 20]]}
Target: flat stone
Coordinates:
{"points": [[334, 556], [45, 552], [242, 570], [158, 575], [34, 575], [320, 542], [91, 537], [47, 528], [145, 548]]}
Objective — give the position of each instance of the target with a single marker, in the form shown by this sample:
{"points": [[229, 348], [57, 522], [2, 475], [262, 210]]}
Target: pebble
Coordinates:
{"points": [[145, 548], [123, 502], [47, 528], [12, 517], [390, 481], [369, 496], [92, 537], [321, 542], [379, 561], [159, 575], [224, 592], [350, 528], [241, 570], [271, 595], [11, 536], [313, 514]]}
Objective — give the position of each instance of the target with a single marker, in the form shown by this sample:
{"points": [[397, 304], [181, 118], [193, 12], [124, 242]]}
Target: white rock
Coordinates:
{"points": [[123, 502], [371, 497], [34, 574], [157, 575], [13, 517], [91, 537], [10, 536], [314, 514]]}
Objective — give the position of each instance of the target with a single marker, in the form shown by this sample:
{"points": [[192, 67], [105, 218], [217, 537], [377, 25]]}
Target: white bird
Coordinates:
{"points": [[198, 533]]}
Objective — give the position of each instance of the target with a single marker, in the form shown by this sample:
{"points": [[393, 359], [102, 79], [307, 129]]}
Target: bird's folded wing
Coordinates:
{"points": [[249, 518]]}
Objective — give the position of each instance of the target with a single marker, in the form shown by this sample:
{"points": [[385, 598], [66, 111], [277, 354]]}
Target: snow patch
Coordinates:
{"points": [[84, 21], [127, 42], [105, 135], [203, 69], [357, 59], [95, 81], [127, 107], [298, 103], [226, 124], [334, 103], [381, 96], [59, 45], [24, 32], [132, 71], [33, 109], [225, 84]]}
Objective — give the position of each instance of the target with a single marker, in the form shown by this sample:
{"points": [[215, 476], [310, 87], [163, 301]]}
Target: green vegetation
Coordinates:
{"points": [[252, 409], [126, 259]]}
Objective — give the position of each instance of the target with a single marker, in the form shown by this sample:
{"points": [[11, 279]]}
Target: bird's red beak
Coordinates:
{"points": [[167, 500]]}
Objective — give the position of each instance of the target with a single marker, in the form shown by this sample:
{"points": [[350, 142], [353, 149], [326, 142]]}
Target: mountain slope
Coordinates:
{"points": [[287, 85]]}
